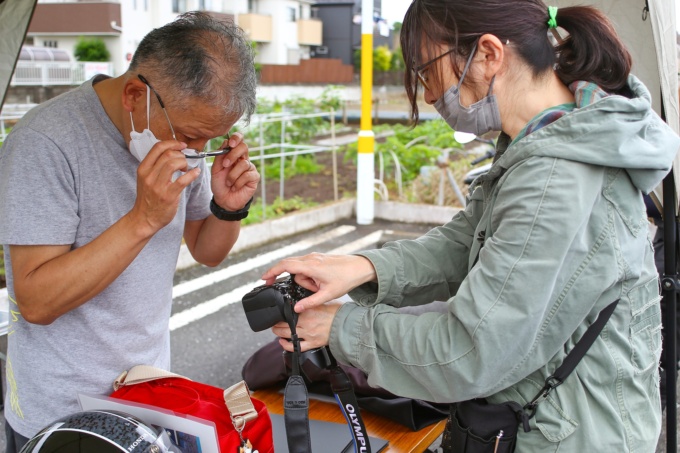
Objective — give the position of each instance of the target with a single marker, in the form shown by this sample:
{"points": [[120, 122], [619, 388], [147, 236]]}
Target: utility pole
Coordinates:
{"points": [[366, 142]]}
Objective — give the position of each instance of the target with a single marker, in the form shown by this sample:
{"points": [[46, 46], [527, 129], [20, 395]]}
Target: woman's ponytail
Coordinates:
{"points": [[592, 51]]}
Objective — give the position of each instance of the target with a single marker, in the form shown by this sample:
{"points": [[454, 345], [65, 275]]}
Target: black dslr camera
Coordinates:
{"points": [[268, 305]]}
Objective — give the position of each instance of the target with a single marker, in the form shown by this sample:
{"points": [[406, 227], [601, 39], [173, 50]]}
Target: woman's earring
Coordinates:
{"points": [[507, 42]]}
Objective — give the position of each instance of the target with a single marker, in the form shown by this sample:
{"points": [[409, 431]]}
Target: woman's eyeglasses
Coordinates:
{"points": [[421, 70]]}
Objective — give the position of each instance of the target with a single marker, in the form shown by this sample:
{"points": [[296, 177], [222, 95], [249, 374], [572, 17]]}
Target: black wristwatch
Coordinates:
{"points": [[223, 214]]}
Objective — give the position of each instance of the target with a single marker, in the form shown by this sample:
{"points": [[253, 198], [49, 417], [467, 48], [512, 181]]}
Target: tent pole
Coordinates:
{"points": [[669, 285]]}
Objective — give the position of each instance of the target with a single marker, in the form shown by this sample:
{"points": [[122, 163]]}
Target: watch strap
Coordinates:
{"points": [[224, 214]]}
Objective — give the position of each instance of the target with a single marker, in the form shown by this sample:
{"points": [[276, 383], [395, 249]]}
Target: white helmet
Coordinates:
{"points": [[100, 432]]}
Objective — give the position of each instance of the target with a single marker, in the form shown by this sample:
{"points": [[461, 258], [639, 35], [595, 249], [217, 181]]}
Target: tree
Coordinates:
{"points": [[397, 63], [91, 49], [382, 58]]}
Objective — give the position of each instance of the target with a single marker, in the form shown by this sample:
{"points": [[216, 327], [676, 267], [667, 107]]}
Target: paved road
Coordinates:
{"points": [[210, 336]]}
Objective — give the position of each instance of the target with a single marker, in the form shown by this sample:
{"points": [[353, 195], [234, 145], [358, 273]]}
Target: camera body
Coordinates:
{"points": [[267, 305]]}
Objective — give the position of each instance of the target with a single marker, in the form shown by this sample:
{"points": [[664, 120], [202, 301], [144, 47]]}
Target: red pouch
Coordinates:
{"points": [[229, 409]]}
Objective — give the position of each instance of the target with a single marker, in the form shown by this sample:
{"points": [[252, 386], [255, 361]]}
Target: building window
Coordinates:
{"points": [[291, 14], [251, 6], [134, 5], [146, 5], [50, 43], [179, 6], [204, 5]]}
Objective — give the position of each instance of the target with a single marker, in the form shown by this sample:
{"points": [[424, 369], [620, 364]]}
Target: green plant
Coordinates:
{"points": [[382, 58], [397, 61], [298, 131], [303, 165], [91, 49], [426, 142], [276, 209], [258, 66], [330, 98], [356, 59]]}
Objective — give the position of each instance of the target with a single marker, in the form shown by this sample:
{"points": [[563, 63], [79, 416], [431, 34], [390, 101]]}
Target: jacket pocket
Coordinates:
{"points": [[645, 326], [553, 422], [551, 425]]}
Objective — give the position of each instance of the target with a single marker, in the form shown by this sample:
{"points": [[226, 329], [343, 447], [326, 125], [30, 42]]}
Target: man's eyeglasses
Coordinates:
{"points": [[421, 70], [196, 154]]}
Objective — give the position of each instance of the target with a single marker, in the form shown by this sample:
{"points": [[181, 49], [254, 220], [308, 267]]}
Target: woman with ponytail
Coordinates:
{"points": [[555, 232]]}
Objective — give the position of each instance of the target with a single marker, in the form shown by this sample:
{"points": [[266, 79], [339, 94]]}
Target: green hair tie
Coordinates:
{"points": [[552, 16]]}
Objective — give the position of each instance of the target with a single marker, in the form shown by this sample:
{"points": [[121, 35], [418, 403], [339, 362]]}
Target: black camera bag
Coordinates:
{"points": [[476, 426]]}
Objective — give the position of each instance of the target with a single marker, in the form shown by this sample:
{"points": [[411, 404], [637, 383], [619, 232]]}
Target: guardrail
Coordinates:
{"points": [[11, 113], [33, 73]]}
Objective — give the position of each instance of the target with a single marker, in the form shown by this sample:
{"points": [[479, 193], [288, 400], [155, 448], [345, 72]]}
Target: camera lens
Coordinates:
{"points": [[263, 307]]}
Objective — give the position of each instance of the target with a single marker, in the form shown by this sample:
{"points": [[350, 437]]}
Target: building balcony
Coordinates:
{"points": [[64, 18], [258, 27], [47, 73], [310, 32]]}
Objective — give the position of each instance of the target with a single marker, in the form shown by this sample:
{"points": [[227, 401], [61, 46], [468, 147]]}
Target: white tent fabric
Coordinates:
{"points": [[15, 15], [651, 39]]}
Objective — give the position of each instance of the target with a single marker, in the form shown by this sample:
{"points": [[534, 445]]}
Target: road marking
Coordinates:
{"points": [[250, 264], [200, 311]]}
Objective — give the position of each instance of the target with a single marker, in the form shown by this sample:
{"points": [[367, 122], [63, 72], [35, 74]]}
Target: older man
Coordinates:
{"points": [[97, 189]]}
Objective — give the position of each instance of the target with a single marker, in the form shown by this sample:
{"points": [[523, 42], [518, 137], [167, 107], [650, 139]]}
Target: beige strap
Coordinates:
{"points": [[237, 399], [142, 373]]}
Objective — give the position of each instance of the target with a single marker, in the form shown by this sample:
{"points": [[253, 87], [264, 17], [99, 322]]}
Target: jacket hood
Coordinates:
{"points": [[613, 132]]}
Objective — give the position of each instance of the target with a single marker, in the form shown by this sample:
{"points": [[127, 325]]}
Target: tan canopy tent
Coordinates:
{"points": [[649, 30], [15, 15]]}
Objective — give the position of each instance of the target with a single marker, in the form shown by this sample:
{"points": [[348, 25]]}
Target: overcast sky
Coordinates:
{"points": [[394, 10]]}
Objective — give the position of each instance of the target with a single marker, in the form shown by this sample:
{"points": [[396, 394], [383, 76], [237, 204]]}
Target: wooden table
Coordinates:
{"points": [[401, 439]]}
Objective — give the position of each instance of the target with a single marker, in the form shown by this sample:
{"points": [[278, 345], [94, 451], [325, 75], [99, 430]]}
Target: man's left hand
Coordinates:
{"points": [[234, 177]]}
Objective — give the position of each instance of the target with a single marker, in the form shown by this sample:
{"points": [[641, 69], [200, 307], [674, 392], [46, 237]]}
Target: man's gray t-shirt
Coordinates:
{"points": [[66, 175]]}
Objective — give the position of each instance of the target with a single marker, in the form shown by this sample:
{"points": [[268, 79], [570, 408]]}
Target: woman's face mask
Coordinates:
{"points": [[481, 117]]}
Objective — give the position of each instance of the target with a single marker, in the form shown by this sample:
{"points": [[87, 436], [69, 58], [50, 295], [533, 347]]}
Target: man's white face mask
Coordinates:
{"points": [[142, 142]]}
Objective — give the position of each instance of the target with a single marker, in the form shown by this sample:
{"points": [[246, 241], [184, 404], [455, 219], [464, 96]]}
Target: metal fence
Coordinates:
{"points": [[287, 150], [30, 73]]}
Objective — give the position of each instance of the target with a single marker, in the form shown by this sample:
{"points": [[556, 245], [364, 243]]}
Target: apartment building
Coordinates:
{"points": [[342, 28], [284, 30]]}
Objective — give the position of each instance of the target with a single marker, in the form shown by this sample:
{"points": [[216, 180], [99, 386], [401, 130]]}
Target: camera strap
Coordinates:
{"points": [[570, 361], [347, 400], [296, 399]]}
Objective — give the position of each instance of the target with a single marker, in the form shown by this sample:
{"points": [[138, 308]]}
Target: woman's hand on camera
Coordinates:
{"points": [[329, 276], [313, 327]]}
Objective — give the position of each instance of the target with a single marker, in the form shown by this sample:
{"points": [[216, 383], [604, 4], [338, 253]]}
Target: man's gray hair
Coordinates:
{"points": [[200, 56]]}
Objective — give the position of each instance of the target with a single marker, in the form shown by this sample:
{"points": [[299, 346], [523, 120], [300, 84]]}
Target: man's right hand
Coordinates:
{"points": [[157, 194]]}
